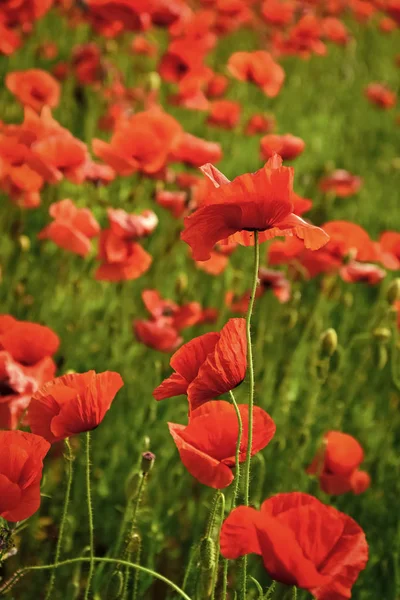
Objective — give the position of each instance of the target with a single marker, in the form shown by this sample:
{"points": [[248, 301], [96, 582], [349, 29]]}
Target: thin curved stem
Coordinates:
{"points": [[237, 455], [90, 517], [22, 572], [128, 553], [69, 458]]}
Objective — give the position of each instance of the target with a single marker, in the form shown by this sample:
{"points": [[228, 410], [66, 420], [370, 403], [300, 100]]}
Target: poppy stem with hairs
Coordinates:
{"points": [[237, 455], [90, 516], [8, 585], [251, 396], [69, 457], [128, 552]]}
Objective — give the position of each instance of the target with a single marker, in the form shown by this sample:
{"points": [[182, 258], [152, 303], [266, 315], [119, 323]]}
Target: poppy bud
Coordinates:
{"points": [[148, 459], [115, 585], [382, 357], [207, 553], [329, 342], [154, 81], [24, 242], [134, 543], [393, 291], [382, 334]]}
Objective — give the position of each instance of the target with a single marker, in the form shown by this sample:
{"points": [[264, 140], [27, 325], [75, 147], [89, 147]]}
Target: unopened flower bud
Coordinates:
{"points": [[148, 459], [382, 334], [393, 291], [329, 342], [134, 543], [24, 242], [154, 81], [207, 553]]}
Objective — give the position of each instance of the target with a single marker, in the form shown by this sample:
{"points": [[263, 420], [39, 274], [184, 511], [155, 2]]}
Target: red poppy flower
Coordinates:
{"points": [[349, 240], [392, 7], [72, 227], [389, 250], [72, 404], [334, 30], [121, 259], [356, 272], [219, 258], [224, 113], [287, 146], [182, 56], [260, 68], [301, 205], [292, 251], [176, 202], [180, 317], [195, 151], [34, 88], [86, 61], [21, 466], [277, 13], [341, 182], [362, 10], [9, 40], [112, 17], [277, 282], [261, 201], [207, 446], [208, 366], [302, 542], [260, 124], [131, 226], [143, 46], [159, 334], [380, 95], [28, 343], [216, 86], [336, 465], [141, 142], [387, 25]]}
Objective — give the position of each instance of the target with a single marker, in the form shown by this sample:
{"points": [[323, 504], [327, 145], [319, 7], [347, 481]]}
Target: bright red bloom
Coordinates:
{"points": [[34, 88], [356, 272], [336, 465], [159, 334], [278, 13], [195, 151], [277, 282], [141, 45], [380, 95], [287, 146], [21, 466], [112, 17], [207, 445], [349, 240], [389, 249], [304, 38], [208, 366], [216, 86], [176, 202], [335, 31], [260, 124], [72, 404], [183, 56], [260, 68], [9, 40], [72, 227], [387, 25], [261, 201], [224, 113], [132, 226], [121, 259], [28, 343], [341, 183], [302, 542]]}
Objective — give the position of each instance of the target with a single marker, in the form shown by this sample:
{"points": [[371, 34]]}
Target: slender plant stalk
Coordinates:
{"points": [[221, 497], [8, 585], [69, 458], [90, 517], [128, 553], [251, 397]]}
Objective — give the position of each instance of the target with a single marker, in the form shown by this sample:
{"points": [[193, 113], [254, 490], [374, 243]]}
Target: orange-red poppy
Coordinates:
{"points": [[260, 68], [287, 146], [302, 542], [260, 123], [121, 259], [277, 13], [224, 113], [195, 151], [356, 272], [34, 88], [159, 334], [380, 95], [132, 226], [275, 281], [341, 183], [72, 404], [207, 445]]}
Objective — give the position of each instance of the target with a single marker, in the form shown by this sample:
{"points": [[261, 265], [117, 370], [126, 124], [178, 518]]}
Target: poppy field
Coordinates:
{"points": [[200, 299]]}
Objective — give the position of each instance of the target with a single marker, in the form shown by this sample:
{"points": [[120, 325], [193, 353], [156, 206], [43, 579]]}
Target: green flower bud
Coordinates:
{"points": [[207, 553], [393, 291], [382, 334], [329, 342]]}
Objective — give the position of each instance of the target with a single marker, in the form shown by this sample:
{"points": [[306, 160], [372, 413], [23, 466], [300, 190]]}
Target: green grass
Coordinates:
{"points": [[322, 101]]}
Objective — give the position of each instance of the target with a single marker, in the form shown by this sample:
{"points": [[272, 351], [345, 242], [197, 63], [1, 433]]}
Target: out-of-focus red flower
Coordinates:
{"points": [[278, 13], [195, 151], [28, 343], [180, 316], [303, 39], [217, 86], [121, 259], [275, 281], [341, 183], [260, 123], [21, 466], [183, 56], [287, 146], [224, 113], [261, 201], [48, 50], [98, 174], [72, 404], [362, 10], [112, 17], [159, 334], [219, 258], [207, 366], [260, 68], [34, 88], [334, 30], [176, 202], [141, 142], [356, 272], [24, 12], [207, 445], [389, 250], [132, 226], [292, 251], [143, 46], [387, 25], [239, 303], [87, 65], [72, 228], [302, 542], [9, 40], [301, 205], [336, 465], [380, 95], [349, 240]]}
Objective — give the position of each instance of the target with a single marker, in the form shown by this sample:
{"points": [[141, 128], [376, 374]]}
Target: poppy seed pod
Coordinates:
{"points": [[393, 291], [115, 586], [329, 342]]}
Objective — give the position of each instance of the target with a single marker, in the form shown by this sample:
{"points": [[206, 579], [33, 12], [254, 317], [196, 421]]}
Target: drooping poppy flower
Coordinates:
{"points": [[380, 95], [341, 183], [275, 281], [302, 542], [208, 366], [132, 226], [207, 445], [260, 123], [21, 466], [34, 88], [72, 228], [287, 146], [158, 334], [195, 151], [261, 201], [336, 465], [121, 259], [224, 113], [356, 272], [72, 404], [260, 68]]}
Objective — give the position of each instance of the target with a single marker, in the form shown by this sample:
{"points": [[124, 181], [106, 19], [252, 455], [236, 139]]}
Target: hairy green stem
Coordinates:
{"points": [[237, 455], [6, 587], [90, 517], [128, 552], [69, 458]]}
